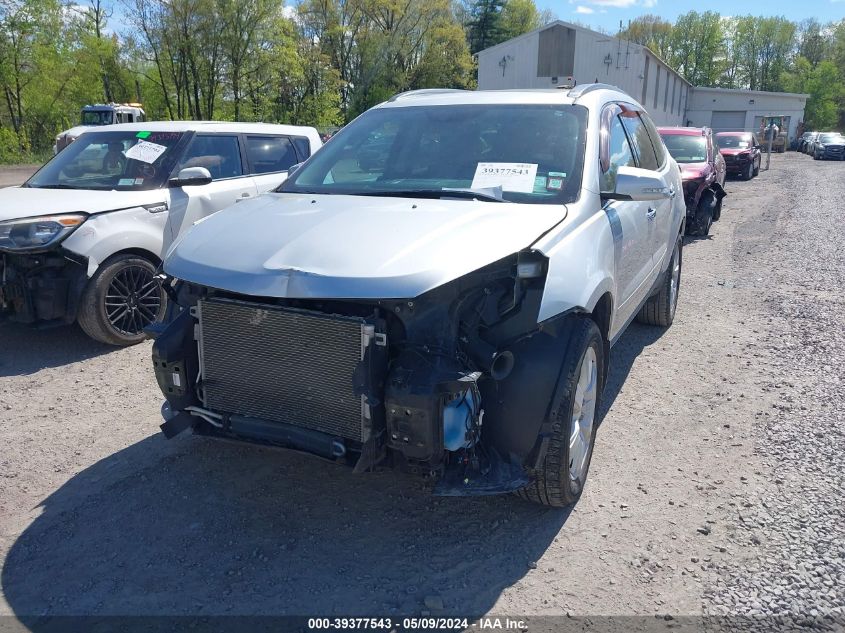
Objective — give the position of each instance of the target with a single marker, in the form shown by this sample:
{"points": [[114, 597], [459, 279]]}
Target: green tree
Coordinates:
{"points": [[824, 83], [484, 28]]}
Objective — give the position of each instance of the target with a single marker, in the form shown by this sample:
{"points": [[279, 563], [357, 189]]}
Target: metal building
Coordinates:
{"points": [[726, 110], [559, 52], [548, 56]]}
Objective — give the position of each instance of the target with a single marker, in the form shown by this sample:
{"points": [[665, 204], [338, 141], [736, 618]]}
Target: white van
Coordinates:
{"points": [[83, 237]]}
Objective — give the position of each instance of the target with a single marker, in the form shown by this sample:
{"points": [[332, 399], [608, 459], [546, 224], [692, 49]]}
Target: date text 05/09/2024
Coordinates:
{"points": [[416, 624]]}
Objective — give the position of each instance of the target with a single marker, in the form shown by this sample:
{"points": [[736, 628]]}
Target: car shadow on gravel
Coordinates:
{"points": [[25, 350], [199, 527], [622, 356]]}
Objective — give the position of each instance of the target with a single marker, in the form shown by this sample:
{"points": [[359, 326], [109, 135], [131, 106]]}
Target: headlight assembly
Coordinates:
{"points": [[39, 232]]}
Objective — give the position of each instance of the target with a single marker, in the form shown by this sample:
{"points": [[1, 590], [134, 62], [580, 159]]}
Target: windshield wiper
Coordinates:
{"points": [[487, 195], [52, 187]]}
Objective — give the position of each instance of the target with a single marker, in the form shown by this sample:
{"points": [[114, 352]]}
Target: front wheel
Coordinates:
{"points": [[748, 174], [757, 167], [559, 481], [121, 299], [704, 215]]}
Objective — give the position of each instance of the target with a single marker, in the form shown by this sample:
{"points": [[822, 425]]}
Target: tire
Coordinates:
{"points": [[816, 156], [121, 299], [748, 174], [717, 212], [582, 374], [757, 167], [704, 215], [660, 308]]}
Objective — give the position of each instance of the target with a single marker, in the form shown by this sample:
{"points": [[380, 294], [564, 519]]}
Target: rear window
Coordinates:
{"points": [[269, 154]]}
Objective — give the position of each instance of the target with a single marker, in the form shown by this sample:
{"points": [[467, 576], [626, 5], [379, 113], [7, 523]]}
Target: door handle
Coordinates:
{"points": [[244, 196], [651, 213]]}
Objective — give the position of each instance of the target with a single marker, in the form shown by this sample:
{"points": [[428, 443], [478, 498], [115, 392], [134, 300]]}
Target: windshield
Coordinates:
{"points": [[830, 138], [98, 117], [111, 160], [535, 153], [686, 148], [734, 141]]}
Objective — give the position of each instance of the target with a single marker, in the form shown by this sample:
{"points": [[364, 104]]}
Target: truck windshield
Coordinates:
{"points": [[128, 160], [98, 117], [514, 152], [686, 148]]}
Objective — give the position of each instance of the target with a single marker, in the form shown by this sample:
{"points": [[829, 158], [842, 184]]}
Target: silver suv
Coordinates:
{"points": [[436, 290]]}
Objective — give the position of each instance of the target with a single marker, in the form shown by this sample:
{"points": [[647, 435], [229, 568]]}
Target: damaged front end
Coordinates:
{"points": [[454, 384], [41, 288]]}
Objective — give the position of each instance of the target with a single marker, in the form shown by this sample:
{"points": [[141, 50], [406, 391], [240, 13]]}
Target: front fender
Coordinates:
{"points": [[581, 264], [105, 234]]}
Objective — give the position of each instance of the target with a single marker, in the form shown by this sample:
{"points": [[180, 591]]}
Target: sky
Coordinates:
{"points": [[607, 13]]}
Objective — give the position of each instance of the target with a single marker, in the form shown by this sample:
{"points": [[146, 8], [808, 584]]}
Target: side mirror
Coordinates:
{"points": [[633, 183], [191, 177]]}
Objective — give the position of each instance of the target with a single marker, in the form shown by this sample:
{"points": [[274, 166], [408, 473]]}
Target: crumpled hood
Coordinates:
{"points": [[352, 247], [27, 202], [694, 171], [733, 151]]}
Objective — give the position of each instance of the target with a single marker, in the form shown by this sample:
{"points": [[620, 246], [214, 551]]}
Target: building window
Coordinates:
{"points": [[645, 81], [666, 93]]}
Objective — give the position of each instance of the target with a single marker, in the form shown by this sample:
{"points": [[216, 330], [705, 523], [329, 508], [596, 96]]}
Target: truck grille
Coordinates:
{"points": [[284, 365]]}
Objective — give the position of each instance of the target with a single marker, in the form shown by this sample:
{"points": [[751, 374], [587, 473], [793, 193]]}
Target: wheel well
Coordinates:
{"points": [[136, 251], [602, 314]]}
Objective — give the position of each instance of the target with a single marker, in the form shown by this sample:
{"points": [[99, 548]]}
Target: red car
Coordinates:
{"points": [[702, 171], [742, 154]]}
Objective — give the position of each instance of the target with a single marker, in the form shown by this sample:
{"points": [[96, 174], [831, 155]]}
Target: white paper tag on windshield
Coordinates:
{"points": [[145, 151], [518, 177]]}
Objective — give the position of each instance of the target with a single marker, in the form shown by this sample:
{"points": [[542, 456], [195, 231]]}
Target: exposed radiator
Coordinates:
{"points": [[284, 365]]}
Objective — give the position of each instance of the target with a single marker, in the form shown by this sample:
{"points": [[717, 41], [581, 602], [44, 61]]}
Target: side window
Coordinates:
{"points": [[641, 141], [656, 141], [220, 155], [619, 154], [303, 147], [268, 154]]}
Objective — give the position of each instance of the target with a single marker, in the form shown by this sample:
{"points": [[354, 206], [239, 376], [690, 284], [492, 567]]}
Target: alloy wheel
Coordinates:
{"points": [[133, 299], [583, 418]]}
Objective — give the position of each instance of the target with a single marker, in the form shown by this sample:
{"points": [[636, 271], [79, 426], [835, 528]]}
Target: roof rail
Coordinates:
{"points": [[579, 91], [422, 92]]}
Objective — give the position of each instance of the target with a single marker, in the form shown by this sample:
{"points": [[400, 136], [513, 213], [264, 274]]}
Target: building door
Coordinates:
{"points": [[726, 121]]}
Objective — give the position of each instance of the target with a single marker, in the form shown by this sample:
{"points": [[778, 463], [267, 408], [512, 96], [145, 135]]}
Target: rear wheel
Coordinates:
{"points": [[560, 479], [121, 299], [660, 309]]}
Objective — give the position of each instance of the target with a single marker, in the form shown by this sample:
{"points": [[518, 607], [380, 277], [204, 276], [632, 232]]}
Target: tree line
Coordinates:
{"points": [[756, 53], [322, 62], [318, 62]]}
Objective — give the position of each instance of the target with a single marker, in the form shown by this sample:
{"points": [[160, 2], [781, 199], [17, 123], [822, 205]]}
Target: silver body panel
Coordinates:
{"points": [[357, 247]]}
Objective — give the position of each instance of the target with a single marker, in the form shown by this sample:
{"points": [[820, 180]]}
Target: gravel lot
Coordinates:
{"points": [[716, 487]]}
